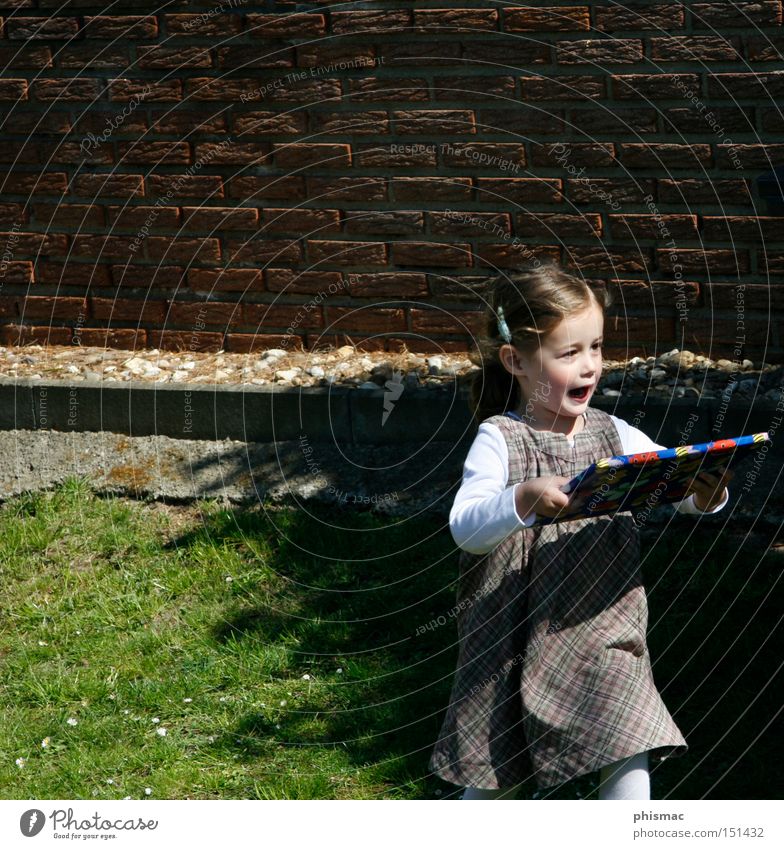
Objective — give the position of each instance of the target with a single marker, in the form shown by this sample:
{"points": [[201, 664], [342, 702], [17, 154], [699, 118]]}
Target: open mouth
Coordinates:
{"points": [[580, 394]]}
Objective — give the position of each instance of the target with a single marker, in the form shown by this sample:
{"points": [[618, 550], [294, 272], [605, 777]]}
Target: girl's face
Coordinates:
{"points": [[559, 378]]}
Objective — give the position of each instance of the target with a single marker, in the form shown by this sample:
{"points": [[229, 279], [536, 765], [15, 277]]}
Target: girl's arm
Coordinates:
{"points": [[484, 511]]}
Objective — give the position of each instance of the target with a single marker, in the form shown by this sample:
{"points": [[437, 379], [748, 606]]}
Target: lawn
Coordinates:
{"points": [[203, 651]]}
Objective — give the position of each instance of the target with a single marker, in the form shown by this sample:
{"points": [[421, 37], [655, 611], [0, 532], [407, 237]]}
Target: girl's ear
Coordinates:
{"points": [[510, 359]]}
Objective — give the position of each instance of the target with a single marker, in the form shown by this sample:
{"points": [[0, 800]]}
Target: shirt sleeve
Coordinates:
{"points": [[484, 511], [635, 441]]}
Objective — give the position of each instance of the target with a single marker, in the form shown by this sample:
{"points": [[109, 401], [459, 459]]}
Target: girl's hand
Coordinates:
{"points": [[542, 496], [708, 488]]}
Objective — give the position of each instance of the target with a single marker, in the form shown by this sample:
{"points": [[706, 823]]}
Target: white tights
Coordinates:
{"points": [[627, 778]]}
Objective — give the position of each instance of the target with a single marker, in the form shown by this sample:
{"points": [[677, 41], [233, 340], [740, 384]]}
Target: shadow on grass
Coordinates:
{"points": [[353, 590]]}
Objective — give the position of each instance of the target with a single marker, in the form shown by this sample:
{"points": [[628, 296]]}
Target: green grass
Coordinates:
{"points": [[115, 613]]}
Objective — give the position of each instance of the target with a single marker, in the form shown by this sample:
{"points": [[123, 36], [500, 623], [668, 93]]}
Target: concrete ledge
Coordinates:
{"points": [[338, 415]]}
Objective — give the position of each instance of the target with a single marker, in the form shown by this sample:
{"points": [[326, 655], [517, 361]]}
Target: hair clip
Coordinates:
{"points": [[503, 327]]}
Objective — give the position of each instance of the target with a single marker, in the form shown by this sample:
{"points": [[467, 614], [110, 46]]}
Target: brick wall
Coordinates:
{"points": [[247, 175]]}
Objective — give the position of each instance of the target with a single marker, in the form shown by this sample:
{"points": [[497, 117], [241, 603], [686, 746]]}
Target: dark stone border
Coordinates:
{"points": [[338, 415]]}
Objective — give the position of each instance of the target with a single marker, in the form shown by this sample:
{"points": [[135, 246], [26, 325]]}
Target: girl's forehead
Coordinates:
{"points": [[584, 325]]}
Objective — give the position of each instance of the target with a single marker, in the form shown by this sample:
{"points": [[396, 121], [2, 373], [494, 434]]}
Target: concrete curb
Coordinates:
{"points": [[339, 415]]}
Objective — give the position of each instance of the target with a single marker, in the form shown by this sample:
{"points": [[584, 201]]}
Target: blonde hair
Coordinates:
{"points": [[535, 300]]}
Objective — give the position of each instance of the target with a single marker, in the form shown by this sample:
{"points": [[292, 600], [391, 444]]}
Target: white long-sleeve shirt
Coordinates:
{"points": [[484, 511]]}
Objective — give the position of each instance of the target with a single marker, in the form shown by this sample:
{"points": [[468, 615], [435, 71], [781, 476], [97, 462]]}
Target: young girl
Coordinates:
{"points": [[553, 675]]}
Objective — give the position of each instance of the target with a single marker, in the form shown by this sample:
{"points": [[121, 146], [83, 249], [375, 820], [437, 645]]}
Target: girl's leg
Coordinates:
{"points": [[501, 793], [626, 779]]}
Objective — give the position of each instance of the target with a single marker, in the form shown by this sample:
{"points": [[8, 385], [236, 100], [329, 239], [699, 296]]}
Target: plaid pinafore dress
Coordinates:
{"points": [[553, 675]]}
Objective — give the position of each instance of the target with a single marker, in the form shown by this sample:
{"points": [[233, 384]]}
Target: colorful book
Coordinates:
{"points": [[650, 478]]}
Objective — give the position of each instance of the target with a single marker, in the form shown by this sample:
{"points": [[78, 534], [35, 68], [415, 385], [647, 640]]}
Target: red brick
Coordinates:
{"points": [[467, 224], [511, 255], [432, 188], [22, 334], [124, 338], [434, 121], [653, 86], [624, 328], [555, 19], [563, 87], [70, 90], [685, 120], [748, 296], [37, 244], [518, 189], [768, 228], [594, 51], [330, 189], [467, 88], [431, 253], [52, 308], [401, 222], [643, 226], [185, 121], [696, 48], [365, 319], [273, 315], [158, 57], [710, 262], [128, 309], [563, 154], [124, 27], [134, 217], [557, 224], [283, 187], [596, 119], [388, 285], [247, 343], [93, 56], [420, 53], [610, 191], [755, 85], [665, 155], [260, 54], [318, 56], [759, 48], [269, 123], [638, 16], [108, 185], [720, 15], [268, 250], [155, 153], [86, 245], [289, 25], [32, 56], [523, 120], [716, 191], [225, 280], [506, 52], [184, 340], [604, 261], [322, 155], [355, 123], [396, 155], [102, 122], [430, 322], [498, 156], [25, 29], [201, 26], [362, 23], [8, 306], [649, 293], [73, 274], [146, 277], [292, 281], [71, 215], [209, 219], [386, 88], [197, 313], [748, 155], [183, 249], [13, 214], [19, 273], [301, 221], [347, 253], [154, 91], [184, 186], [451, 21], [33, 121], [248, 153], [13, 89]]}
